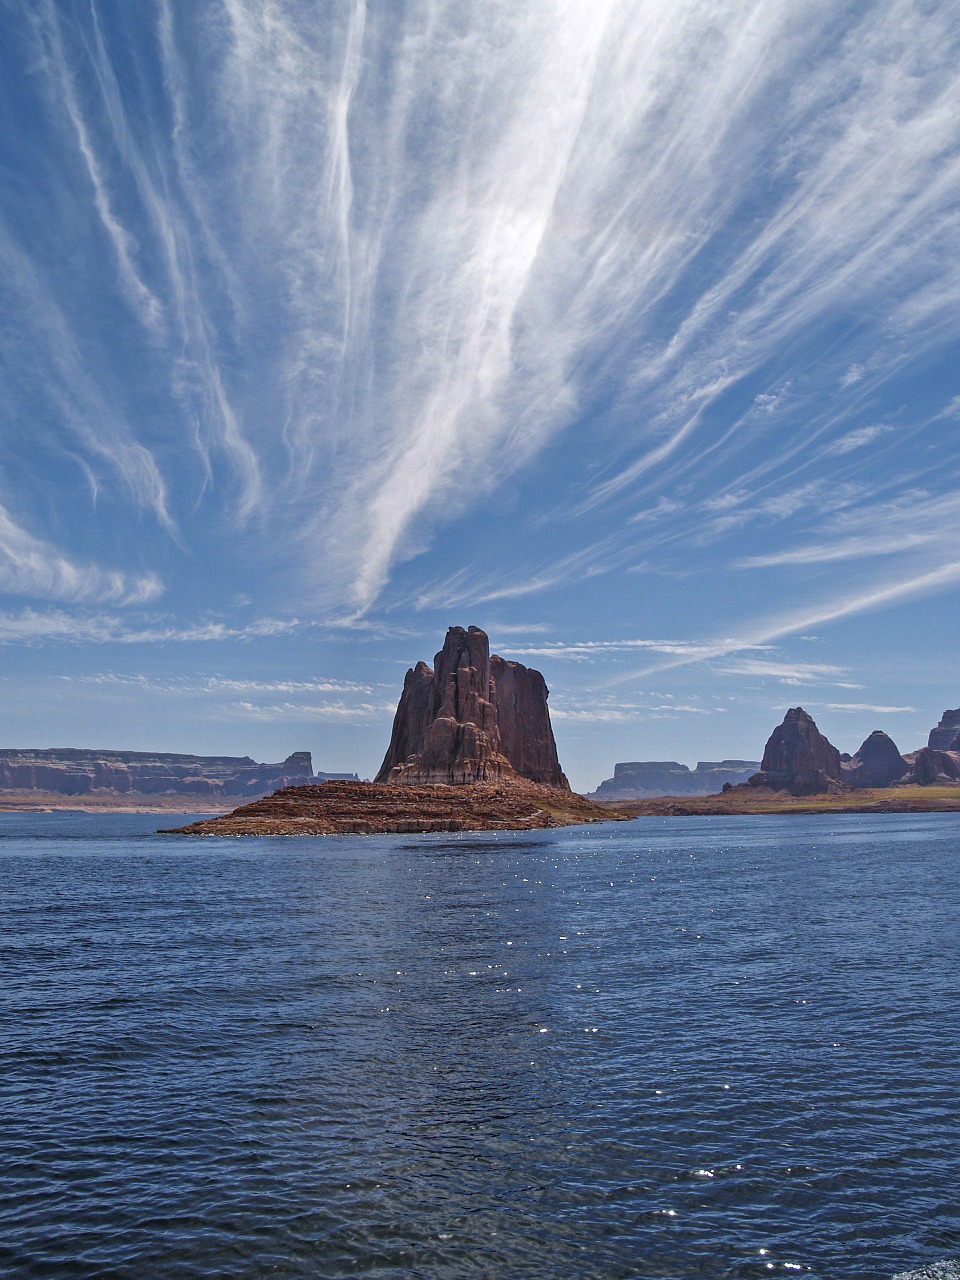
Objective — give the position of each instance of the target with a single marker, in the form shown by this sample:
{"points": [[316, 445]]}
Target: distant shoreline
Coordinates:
{"points": [[132, 802], [744, 802], [759, 800]]}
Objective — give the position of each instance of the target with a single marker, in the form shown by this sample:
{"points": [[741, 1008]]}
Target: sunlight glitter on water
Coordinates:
{"points": [[274, 1049]]}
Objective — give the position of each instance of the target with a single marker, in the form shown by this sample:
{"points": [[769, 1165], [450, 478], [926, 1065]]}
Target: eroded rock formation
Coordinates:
{"points": [[472, 717], [76, 772], [369, 808], [877, 763], [641, 779], [933, 768], [946, 736], [799, 759]]}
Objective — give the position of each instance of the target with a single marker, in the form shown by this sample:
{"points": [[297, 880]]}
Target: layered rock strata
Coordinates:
{"points": [[643, 779], [946, 736], [799, 759], [366, 808], [472, 717], [77, 772]]}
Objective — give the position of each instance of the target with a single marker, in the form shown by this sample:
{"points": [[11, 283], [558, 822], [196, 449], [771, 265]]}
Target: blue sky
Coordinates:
{"points": [[627, 330]]}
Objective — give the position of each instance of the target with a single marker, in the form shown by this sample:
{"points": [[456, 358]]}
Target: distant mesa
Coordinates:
{"points": [[642, 779], [70, 771], [946, 736], [472, 717]]}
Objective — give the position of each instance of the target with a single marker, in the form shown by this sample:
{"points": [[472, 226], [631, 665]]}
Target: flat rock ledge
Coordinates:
{"points": [[368, 808]]}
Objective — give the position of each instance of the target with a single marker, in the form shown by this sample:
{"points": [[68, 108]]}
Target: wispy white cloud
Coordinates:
{"points": [[915, 522], [607, 712], [321, 699], [853, 374], [790, 672], [144, 302], [857, 439], [57, 625], [590, 649], [338, 712], [866, 706], [92, 429], [764, 631], [29, 566], [219, 686], [382, 260]]}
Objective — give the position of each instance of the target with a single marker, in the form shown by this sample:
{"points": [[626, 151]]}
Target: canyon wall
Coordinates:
{"points": [[76, 772]]}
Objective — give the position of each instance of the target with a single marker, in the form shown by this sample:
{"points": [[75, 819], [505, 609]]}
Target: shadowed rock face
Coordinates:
{"points": [[799, 759], [946, 736], [932, 767], [878, 763], [473, 717]]}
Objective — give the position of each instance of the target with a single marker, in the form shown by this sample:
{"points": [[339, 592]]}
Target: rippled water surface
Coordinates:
{"points": [[670, 1048]]}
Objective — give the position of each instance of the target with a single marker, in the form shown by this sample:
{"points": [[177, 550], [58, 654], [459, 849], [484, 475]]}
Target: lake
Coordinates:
{"points": [[671, 1048]]}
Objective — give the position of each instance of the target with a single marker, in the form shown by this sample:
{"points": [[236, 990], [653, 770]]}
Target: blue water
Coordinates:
{"points": [[672, 1048]]}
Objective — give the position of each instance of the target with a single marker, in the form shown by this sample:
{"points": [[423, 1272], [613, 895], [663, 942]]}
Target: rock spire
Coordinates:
{"points": [[472, 717], [877, 763], [799, 759]]}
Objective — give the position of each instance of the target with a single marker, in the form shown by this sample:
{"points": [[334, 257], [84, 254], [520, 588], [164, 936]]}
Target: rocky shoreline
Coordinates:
{"points": [[744, 801], [369, 808], [32, 801]]}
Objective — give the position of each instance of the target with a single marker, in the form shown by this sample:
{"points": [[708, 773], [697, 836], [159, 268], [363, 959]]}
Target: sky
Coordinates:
{"points": [[624, 329]]}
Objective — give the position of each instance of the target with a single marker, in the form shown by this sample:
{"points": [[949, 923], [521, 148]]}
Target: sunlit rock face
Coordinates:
{"points": [[472, 717], [799, 759], [946, 736], [878, 763]]}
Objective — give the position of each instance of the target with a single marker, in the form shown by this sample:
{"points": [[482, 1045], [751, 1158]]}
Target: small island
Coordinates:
{"points": [[472, 749]]}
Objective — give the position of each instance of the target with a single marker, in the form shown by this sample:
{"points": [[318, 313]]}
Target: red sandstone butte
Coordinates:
{"points": [[472, 750], [799, 759], [473, 717]]}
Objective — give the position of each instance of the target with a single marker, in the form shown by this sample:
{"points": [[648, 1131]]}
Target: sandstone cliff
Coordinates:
{"points": [[77, 772], [472, 717], [799, 759], [946, 736]]}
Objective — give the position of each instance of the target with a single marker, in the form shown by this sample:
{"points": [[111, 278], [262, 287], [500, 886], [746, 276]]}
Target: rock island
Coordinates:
{"points": [[472, 749]]}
